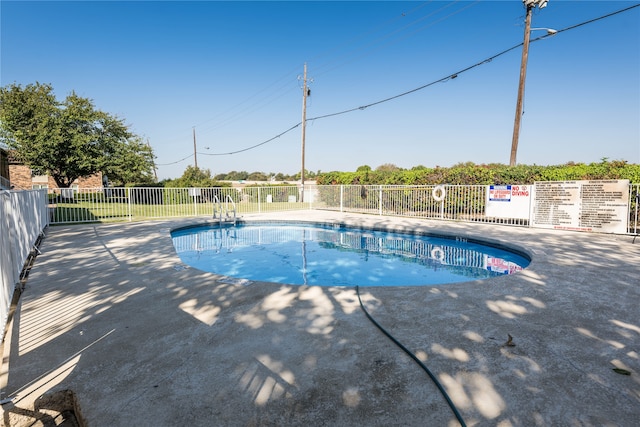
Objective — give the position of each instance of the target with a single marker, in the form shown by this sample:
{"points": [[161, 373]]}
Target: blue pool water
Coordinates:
{"points": [[314, 254]]}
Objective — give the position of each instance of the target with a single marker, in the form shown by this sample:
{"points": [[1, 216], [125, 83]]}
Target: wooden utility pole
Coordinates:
{"points": [[523, 75], [304, 125], [195, 153]]}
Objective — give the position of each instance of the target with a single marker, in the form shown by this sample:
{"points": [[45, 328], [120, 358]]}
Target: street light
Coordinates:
{"points": [[530, 5], [550, 31]]}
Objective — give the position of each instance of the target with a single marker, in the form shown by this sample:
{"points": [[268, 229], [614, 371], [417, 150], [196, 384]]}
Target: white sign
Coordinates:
{"points": [[598, 206], [508, 201]]}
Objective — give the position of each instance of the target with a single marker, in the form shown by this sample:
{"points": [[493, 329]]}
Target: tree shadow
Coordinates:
{"points": [[135, 334]]}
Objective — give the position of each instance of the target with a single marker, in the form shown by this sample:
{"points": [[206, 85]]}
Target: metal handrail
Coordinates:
{"points": [[223, 209], [227, 200]]}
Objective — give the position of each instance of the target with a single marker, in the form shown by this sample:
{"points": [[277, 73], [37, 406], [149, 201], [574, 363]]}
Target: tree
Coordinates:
{"points": [[129, 163], [257, 176], [388, 167], [194, 177], [237, 176], [70, 139]]}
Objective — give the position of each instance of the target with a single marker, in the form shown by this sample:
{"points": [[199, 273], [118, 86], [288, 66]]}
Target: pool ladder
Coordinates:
{"points": [[224, 212]]}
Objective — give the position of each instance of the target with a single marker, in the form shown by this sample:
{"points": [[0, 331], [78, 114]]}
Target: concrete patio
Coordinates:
{"points": [[110, 313]]}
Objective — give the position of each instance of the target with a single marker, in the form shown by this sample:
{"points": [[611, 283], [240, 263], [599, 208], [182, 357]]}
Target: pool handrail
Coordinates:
{"points": [[222, 212]]}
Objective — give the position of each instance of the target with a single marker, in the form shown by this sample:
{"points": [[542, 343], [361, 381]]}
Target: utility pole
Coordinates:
{"points": [[304, 125], [195, 154], [530, 5], [523, 75]]}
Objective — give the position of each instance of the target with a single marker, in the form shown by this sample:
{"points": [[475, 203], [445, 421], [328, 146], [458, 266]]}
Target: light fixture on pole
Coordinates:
{"points": [[530, 5], [550, 31]]}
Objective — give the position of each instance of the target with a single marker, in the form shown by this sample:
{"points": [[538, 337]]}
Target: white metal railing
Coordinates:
{"points": [[466, 203], [23, 217], [24, 214], [135, 203], [459, 202], [224, 211]]}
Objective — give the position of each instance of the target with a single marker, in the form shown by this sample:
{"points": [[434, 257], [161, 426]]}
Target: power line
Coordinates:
{"points": [[378, 44], [270, 97], [177, 161], [225, 118], [253, 146], [441, 80], [318, 69], [272, 93], [363, 107], [598, 19]]}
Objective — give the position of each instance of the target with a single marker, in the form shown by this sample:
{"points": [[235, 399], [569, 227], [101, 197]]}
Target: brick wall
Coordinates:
{"points": [[22, 179]]}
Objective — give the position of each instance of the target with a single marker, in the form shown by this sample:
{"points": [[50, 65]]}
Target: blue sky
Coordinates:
{"points": [[232, 71]]}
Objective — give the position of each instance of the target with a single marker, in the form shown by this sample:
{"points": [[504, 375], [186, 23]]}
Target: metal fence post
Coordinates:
{"points": [[129, 213], [635, 226], [195, 201]]}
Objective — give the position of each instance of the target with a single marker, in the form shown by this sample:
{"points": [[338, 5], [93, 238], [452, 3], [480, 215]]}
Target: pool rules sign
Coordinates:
{"points": [[598, 206]]}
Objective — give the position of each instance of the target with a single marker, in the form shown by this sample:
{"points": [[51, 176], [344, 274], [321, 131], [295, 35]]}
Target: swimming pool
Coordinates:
{"points": [[334, 255]]}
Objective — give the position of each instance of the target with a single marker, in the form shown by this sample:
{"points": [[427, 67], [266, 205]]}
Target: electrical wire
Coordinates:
{"points": [[378, 44], [415, 358], [599, 18], [278, 92], [253, 146], [229, 116], [318, 69], [441, 80], [177, 161], [362, 107]]}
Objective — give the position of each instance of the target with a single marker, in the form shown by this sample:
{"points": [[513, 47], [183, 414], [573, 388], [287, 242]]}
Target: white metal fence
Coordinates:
{"points": [[137, 203], [466, 203], [24, 214], [457, 202], [23, 217]]}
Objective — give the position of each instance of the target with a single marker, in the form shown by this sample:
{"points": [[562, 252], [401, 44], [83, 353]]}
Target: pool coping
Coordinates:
{"points": [[107, 314]]}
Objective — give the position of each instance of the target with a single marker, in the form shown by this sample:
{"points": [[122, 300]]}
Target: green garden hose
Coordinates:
{"points": [[415, 358]]}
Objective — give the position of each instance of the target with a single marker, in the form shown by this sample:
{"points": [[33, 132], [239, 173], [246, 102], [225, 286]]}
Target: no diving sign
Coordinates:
{"points": [[508, 201]]}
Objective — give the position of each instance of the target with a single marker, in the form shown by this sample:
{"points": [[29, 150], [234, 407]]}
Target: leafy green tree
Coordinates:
{"points": [[129, 163], [307, 175], [194, 177], [257, 176], [237, 176], [70, 139]]}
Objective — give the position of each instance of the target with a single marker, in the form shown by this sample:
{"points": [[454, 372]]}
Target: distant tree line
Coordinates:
{"points": [[483, 174], [261, 176], [461, 174]]}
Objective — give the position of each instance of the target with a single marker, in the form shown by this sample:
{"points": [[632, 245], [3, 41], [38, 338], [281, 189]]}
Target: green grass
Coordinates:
{"points": [[102, 212]]}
